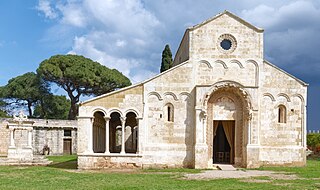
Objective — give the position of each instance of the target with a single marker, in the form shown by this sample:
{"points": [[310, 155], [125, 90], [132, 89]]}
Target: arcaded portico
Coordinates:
{"points": [[222, 102]]}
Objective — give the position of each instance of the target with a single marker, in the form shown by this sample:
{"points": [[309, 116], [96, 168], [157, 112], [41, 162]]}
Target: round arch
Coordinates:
{"points": [[229, 110], [132, 110], [112, 110], [99, 109]]}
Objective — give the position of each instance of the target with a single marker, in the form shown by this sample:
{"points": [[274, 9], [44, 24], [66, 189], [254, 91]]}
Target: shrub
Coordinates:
{"points": [[313, 141]]}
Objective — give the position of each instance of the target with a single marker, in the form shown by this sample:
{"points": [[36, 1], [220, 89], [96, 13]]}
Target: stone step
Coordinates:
{"points": [[225, 167], [37, 161]]}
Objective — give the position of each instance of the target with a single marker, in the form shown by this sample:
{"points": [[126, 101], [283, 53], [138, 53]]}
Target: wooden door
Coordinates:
{"points": [[67, 144]]}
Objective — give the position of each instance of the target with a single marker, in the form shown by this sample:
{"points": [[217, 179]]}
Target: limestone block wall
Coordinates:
{"points": [[4, 137], [288, 138], [169, 141], [130, 97], [245, 72], [45, 132], [205, 44], [53, 137], [182, 54]]}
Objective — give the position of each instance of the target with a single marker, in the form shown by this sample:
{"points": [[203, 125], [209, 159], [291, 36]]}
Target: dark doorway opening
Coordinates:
{"points": [[67, 145], [223, 142]]}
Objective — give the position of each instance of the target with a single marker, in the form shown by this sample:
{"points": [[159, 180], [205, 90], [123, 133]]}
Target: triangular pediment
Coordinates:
{"points": [[231, 15]]}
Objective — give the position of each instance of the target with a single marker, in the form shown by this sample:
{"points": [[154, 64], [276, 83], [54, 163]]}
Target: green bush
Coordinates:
{"points": [[313, 141]]}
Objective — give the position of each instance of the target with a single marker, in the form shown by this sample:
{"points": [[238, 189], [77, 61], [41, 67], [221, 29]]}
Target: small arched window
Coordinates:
{"points": [[169, 112], [282, 114]]}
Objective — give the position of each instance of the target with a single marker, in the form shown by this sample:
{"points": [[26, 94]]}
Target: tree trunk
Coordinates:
{"points": [[44, 114], [29, 108], [73, 112]]}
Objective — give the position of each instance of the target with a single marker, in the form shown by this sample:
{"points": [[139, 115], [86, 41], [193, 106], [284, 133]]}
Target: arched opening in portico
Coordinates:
{"points": [[131, 132], [99, 132], [115, 125]]}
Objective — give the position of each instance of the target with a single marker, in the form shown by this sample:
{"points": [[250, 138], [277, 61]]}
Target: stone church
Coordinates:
{"points": [[222, 102]]}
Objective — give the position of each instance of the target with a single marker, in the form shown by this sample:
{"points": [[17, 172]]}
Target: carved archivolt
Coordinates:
{"points": [[231, 86]]}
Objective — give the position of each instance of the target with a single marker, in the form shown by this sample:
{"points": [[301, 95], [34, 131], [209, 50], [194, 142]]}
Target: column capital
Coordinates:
{"points": [[107, 118], [123, 119]]}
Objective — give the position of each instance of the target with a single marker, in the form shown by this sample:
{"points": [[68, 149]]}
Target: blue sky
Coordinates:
{"points": [[129, 35]]}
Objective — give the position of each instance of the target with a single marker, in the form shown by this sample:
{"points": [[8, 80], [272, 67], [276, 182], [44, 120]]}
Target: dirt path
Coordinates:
{"points": [[220, 174]]}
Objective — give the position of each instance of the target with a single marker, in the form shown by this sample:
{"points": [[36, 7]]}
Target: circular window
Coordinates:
{"points": [[227, 43]]}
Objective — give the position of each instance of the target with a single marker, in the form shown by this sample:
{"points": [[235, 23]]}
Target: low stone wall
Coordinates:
{"points": [[109, 161]]}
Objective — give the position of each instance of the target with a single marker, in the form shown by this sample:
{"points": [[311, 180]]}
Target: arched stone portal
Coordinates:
{"points": [[227, 108]]}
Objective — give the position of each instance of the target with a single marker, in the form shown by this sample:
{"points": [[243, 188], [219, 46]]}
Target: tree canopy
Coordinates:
{"points": [[24, 90], [52, 107], [78, 76], [3, 111], [166, 61]]}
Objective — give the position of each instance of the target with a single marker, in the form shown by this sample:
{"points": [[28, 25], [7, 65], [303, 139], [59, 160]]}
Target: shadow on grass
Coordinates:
{"points": [[68, 164]]}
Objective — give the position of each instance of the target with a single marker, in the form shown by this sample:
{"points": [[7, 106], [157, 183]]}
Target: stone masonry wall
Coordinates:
{"points": [[131, 97], [4, 137], [170, 138], [204, 43], [45, 132]]}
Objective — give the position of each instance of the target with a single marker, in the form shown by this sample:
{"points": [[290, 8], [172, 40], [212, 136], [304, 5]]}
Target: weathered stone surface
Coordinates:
{"points": [[45, 132], [178, 110]]}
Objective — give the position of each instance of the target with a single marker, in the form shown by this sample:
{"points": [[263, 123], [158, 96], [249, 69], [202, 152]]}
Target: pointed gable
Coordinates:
{"points": [[230, 15]]}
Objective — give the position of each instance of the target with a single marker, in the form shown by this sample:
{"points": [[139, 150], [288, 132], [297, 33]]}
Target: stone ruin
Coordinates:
{"points": [[20, 150]]}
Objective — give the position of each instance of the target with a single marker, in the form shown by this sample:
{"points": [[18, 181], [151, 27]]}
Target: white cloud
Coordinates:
{"points": [[73, 14], [130, 34], [83, 46], [126, 16], [294, 15], [120, 34], [45, 7]]}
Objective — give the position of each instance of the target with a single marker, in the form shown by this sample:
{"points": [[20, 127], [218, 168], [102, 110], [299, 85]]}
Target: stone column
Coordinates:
{"points": [[123, 122], [12, 145], [29, 137], [249, 119], [138, 133], [253, 148], [107, 135], [90, 137], [201, 148]]}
